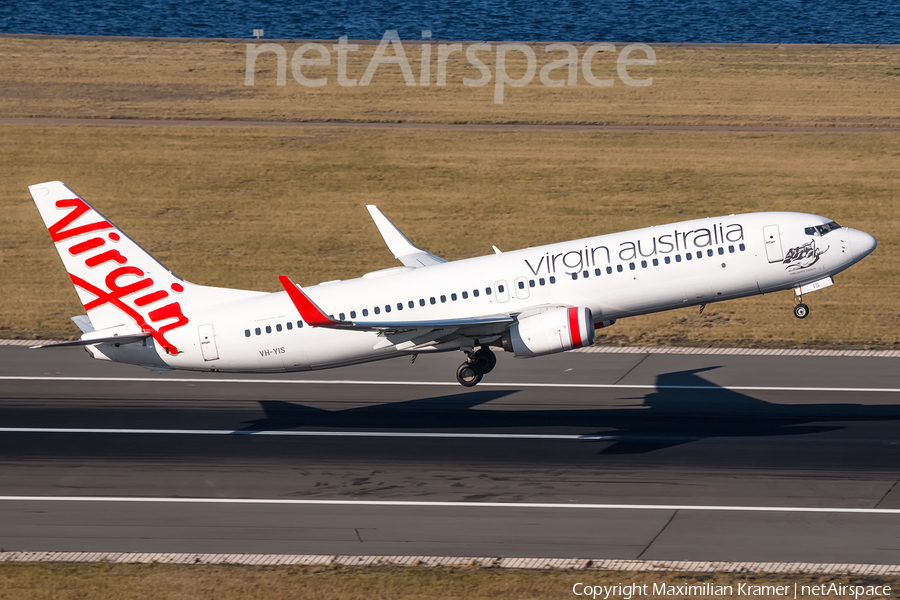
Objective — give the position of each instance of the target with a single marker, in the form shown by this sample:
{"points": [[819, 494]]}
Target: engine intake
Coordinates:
{"points": [[550, 331]]}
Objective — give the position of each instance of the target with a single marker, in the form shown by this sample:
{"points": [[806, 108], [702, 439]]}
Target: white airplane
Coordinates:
{"points": [[528, 302]]}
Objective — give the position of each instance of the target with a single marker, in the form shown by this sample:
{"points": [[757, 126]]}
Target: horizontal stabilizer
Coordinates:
{"points": [[113, 339], [399, 244]]}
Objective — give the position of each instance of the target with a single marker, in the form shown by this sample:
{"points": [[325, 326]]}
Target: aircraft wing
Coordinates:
{"points": [[399, 244], [316, 317]]}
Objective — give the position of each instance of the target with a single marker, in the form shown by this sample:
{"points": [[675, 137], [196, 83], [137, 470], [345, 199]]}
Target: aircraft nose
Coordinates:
{"points": [[861, 244]]}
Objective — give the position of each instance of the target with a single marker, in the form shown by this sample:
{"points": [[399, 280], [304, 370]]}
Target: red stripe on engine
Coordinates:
{"points": [[574, 329]]}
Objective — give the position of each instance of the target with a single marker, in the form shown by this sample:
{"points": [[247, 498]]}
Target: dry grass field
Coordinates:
{"points": [[798, 86], [172, 582], [239, 206]]}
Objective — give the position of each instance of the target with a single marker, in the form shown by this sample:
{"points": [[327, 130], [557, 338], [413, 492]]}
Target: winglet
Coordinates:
{"points": [[308, 310], [403, 249]]}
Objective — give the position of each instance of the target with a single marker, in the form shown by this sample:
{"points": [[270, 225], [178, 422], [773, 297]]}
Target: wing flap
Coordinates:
{"points": [[315, 316]]}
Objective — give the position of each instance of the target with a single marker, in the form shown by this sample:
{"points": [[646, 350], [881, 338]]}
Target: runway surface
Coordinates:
{"points": [[577, 455]]}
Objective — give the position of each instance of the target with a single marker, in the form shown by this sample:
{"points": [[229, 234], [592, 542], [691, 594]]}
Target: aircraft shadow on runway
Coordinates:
{"points": [[667, 417]]}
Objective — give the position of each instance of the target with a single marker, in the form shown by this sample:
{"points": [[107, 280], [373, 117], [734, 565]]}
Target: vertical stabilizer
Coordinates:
{"points": [[120, 285]]}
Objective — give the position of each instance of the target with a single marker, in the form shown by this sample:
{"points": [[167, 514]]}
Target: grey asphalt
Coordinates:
{"points": [[667, 444]]}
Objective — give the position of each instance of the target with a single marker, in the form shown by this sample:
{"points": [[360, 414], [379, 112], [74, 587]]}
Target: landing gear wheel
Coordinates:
{"points": [[484, 361], [468, 374], [801, 310]]}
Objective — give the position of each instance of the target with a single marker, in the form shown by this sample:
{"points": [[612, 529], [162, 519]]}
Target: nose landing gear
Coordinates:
{"points": [[800, 310], [479, 364]]}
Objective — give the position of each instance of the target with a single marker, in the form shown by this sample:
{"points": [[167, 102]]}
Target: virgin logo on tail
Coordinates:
{"points": [[114, 292]]}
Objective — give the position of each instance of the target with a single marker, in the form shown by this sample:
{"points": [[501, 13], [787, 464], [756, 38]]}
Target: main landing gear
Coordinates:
{"points": [[800, 310], [478, 365]]}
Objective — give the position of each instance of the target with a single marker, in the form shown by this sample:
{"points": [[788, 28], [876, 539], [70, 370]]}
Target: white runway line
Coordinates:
{"points": [[735, 388], [288, 433], [451, 435], [465, 505]]}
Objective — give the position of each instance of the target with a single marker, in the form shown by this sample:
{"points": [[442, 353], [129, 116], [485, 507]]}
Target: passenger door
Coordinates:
{"points": [[208, 342], [773, 243]]}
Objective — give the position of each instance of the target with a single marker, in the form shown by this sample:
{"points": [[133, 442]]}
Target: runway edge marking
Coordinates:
{"points": [[577, 564], [452, 504]]}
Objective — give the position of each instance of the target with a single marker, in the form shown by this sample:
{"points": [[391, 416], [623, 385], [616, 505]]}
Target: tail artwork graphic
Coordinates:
{"points": [[124, 290]]}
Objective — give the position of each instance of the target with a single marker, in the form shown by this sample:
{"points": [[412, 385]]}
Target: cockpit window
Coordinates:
{"points": [[822, 229]]}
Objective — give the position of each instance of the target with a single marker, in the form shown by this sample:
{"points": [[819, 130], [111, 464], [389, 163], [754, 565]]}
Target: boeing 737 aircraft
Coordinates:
{"points": [[528, 302]]}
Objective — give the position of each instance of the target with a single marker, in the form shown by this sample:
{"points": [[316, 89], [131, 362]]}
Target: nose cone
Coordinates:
{"points": [[861, 244]]}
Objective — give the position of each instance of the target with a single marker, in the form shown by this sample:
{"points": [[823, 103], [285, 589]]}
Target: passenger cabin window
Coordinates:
{"points": [[258, 331], [574, 277], [465, 295], [655, 262], [341, 316], [531, 283], [278, 326], [721, 250], [668, 260], [290, 325], [487, 290], [387, 308], [365, 312], [246, 333], [411, 304], [432, 300], [585, 274], [541, 281], [597, 272], [377, 311], [643, 264], [689, 256], [619, 268], [399, 306], [453, 296], [421, 301], [609, 270], [742, 247], [299, 324], [552, 279], [475, 292], [677, 258], [352, 315], [444, 298], [268, 329], [521, 284], [500, 288]]}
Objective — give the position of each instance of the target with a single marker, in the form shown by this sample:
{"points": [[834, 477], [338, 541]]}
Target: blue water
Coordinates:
{"points": [[785, 21]]}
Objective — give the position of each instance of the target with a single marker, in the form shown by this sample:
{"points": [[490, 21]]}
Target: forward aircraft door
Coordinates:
{"points": [[502, 291], [208, 342], [773, 243]]}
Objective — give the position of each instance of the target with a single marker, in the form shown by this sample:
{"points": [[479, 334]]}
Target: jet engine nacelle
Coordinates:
{"points": [[550, 331]]}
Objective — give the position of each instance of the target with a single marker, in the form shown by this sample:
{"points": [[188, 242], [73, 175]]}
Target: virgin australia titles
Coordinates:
{"points": [[567, 66]]}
